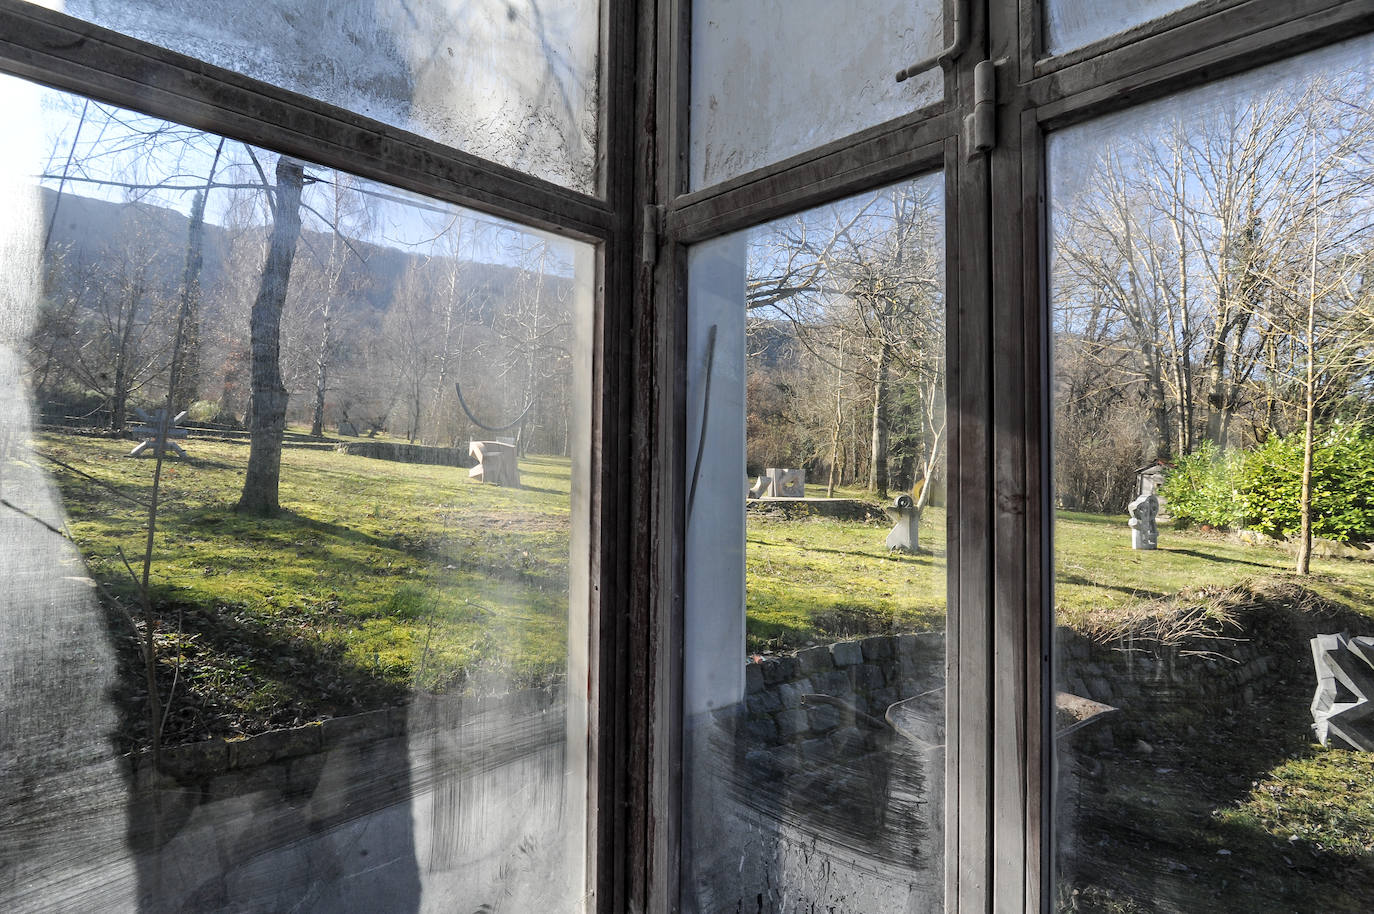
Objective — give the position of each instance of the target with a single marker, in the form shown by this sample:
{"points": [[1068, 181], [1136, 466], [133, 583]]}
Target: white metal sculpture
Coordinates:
{"points": [[1341, 707]]}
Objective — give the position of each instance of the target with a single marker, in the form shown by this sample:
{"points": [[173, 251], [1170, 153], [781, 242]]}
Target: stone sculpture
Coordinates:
{"points": [[1144, 530], [496, 463], [760, 488], [905, 535], [787, 482], [1341, 707]]}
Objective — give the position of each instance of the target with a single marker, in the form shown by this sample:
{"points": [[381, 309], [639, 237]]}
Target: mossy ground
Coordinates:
{"points": [[377, 577]]}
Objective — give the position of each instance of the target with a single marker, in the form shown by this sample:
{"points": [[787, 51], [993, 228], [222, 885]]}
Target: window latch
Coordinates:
{"points": [[980, 125]]}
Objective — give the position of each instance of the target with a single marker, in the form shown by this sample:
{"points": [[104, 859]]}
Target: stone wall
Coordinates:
{"points": [[408, 453], [1141, 678]]}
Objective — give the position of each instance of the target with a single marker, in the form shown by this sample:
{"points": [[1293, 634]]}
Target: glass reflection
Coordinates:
{"points": [[771, 79], [1213, 343], [517, 81], [293, 513], [815, 654]]}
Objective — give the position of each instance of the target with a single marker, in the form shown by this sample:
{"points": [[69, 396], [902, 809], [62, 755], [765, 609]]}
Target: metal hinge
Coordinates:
{"points": [[653, 227], [980, 125]]}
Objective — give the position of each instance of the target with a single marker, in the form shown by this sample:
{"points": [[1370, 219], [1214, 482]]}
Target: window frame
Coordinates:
{"points": [[1000, 765], [1000, 769]]}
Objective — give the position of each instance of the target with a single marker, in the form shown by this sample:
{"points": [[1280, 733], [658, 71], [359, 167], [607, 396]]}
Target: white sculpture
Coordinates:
{"points": [[496, 463], [1144, 530], [906, 519], [786, 482], [760, 488], [1341, 709]]}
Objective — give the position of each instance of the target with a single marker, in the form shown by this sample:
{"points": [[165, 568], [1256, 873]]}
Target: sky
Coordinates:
{"points": [[101, 148]]}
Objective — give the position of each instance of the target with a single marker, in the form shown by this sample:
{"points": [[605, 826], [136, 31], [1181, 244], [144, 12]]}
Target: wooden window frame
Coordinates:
{"points": [[999, 839], [998, 835]]}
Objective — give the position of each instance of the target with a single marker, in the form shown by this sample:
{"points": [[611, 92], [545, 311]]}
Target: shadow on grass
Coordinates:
{"points": [[1138, 815], [1065, 578], [921, 556], [235, 675], [1222, 559]]}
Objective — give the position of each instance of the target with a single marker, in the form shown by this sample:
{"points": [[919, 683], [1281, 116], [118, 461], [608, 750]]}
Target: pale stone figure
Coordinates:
{"points": [[906, 519], [761, 487], [496, 463], [1144, 531], [1341, 709], [787, 483]]}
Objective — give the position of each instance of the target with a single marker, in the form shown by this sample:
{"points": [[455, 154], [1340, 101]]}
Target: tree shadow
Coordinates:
{"points": [[1139, 802]]}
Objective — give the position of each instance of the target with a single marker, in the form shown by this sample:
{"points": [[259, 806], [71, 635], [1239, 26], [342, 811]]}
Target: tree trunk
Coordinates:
{"points": [[877, 469], [188, 374], [322, 367], [260, 484]]}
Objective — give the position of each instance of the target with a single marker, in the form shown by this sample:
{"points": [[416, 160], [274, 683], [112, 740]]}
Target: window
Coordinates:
{"points": [[630, 252]]}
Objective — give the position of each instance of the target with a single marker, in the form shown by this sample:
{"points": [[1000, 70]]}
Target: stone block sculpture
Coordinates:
{"points": [[761, 487], [496, 463], [905, 535], [1144, 530], [786, 482], [1341, 707]]}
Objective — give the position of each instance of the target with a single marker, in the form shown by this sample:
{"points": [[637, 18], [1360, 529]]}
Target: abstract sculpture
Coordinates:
{"points": [[787, 482], [1341, 708], [906, 518], [1144, 531], [496, 463]]}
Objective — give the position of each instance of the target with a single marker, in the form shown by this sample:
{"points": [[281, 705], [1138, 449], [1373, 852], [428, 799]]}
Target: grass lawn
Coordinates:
{"points": [[378, 577], [1099, 578], [818, 579]]}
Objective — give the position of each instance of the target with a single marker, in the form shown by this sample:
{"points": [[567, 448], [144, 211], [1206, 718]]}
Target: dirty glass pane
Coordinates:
{"points": [[1070, 24], [514, 81], [771, 79], [815, 591], [329, 677], [1213, 335]]}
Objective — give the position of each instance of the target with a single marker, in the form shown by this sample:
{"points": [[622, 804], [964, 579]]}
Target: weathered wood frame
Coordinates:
{"points": [[70, 54], [1000, 626]]}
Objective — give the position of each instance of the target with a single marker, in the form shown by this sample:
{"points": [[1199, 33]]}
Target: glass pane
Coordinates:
{"points": [[315, 655], [1213, 324], [815, 603], [1070, 24], [514, 81], [771, 79]]}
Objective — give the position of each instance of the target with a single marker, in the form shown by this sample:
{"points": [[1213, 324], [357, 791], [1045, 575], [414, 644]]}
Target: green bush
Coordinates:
{"points": [[1269, 486], [1201, 488]]}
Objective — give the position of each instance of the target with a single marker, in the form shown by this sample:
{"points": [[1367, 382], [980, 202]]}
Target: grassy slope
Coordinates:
{"points": [[377, 576], [1098, 574]]}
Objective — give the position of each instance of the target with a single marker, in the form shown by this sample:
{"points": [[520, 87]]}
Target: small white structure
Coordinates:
{"points": [[496, 463], [786, 482], [1144, 530], [906, 518]]}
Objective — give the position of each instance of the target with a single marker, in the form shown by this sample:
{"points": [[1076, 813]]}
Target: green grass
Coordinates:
{"points": [[820, 579], [377, 578], [1098, 575]]}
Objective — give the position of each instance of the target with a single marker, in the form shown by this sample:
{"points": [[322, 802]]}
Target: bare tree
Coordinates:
{"points": [[268, 425]]}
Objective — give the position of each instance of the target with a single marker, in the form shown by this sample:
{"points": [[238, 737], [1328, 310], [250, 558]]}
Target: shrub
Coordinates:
{"points": [[1269, 487], [1201, 488]]}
